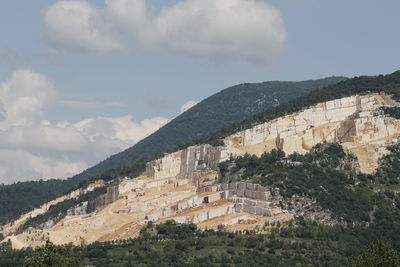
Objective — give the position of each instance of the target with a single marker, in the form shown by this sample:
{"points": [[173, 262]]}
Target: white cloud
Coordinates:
{"points": [[79, 24], [34, 148], [188, 105], [21, 165], [218, 29], [122, 128], [24, 97]]}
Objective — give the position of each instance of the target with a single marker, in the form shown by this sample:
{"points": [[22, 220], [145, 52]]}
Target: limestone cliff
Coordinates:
{"points": [[355, 122]]}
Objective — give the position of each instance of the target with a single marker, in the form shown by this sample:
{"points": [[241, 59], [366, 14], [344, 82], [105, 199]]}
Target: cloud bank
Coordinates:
{"points": [[33, 148], [245, 29]]}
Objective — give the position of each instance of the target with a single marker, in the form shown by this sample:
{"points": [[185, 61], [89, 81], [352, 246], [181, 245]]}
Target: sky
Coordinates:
{"points": [[81, 80]]}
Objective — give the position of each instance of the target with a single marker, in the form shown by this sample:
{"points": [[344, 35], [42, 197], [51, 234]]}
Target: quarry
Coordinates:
{"points": [[184, 186]]}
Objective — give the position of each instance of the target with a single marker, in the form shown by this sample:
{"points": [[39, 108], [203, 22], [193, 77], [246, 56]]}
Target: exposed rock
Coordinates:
{"points": [[354, 122], [181, 185], [81, 208], [186, 163], [103, 200]]}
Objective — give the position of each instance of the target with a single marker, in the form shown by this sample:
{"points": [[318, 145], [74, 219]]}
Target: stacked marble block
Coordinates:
{"points": [[248, 197]]}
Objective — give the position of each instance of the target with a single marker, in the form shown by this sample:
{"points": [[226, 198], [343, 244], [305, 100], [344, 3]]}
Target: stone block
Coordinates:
{"points": [[261, 188], [183, 205], [201, 217], [249, 193], [264, 204], [197, 201], [248, 202], [241, 185], [240, 192], [262, 196], [249, 209], [238, 207], [232, 186], [214, 197], [155, 216], [251, 186]]}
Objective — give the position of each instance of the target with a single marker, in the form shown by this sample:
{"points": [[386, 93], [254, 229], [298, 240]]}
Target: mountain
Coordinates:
{"points": [[310, 182], [215, 112]]}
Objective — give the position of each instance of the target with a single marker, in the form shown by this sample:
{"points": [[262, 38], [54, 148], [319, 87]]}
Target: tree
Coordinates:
{"points": [[378, 254], [51, 255]]}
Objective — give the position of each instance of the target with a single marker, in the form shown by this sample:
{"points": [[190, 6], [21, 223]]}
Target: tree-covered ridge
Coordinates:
{"points": [[296, 243], [220, 110]]}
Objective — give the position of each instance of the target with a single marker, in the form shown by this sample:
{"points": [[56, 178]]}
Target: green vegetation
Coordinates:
{"points": [[23, 197], [216, 112], [302, 243], [231, 105], [378, 254], [324, 174], [392, 111], [51, 255], [367, 203], [389, 84]]}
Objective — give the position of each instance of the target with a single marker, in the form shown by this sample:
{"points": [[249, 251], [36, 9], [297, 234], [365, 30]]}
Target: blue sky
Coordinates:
{"points": [[153, 76]]}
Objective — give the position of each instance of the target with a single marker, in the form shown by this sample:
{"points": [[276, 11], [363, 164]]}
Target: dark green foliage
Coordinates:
{"points": [[302, 244], [51, 255], [389, 167], [392, 111], [23, 197], [320, 174], [378, 254]]}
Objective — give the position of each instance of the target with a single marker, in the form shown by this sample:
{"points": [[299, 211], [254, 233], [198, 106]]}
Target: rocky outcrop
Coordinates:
{"points": [[355, 122], [256, 199], [103, 200], [187, 162]]}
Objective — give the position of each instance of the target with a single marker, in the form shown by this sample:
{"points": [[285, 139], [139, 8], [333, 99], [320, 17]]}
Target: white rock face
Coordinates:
{"points": [[185, 163], [354, 122]]}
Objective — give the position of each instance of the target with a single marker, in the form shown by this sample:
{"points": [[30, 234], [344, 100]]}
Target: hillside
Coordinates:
{"points": [[314, 204], [216, 112], [390, 84], [229, 106], [313, 183], [186, 185]]}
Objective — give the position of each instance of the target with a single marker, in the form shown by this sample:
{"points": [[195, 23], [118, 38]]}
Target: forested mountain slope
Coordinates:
{"points": [[216, 112], [229, 106]]}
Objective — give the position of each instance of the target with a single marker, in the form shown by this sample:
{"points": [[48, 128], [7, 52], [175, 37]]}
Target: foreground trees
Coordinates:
{"points": [[51, 255], [379, 254]]}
